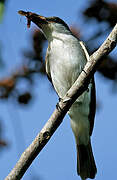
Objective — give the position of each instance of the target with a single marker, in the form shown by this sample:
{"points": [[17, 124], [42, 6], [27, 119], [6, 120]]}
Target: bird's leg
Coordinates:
{"points": [[57, 105], [86, 74], [60, 99]]}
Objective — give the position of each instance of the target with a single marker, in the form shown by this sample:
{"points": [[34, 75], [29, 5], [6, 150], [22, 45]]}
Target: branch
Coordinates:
{"points": [[56, 118]]}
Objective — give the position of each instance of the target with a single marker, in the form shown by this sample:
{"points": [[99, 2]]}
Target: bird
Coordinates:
{"points": [[66, 57]]}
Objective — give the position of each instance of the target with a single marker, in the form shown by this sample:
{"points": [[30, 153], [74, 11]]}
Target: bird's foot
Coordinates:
{"points": [[57, 105]]}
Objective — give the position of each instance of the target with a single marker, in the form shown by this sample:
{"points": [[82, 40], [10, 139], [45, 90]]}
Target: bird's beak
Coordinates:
{"points": [[35, 18]]}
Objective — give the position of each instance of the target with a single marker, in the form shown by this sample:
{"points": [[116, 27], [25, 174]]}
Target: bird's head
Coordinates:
{"points": [[49, 25]]}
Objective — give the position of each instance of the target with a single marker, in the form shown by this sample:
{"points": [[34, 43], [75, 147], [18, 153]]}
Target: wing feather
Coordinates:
{"points": [[48, 65], [93, 94]]}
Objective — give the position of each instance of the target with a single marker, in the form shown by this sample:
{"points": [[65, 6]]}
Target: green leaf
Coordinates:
{"points": [[1, 10]]}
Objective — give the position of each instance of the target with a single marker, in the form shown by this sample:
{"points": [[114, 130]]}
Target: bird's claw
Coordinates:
{"points": [[57, 105]]}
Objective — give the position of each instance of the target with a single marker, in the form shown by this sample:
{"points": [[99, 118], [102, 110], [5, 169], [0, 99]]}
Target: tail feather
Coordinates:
{"points": [[86, 167]]}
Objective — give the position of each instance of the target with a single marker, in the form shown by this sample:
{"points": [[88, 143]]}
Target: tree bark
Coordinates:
{"points": [[63, 106]]}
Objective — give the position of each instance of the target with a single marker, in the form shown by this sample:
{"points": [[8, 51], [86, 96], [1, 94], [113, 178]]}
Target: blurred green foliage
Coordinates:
{"points": [[1, 9]]}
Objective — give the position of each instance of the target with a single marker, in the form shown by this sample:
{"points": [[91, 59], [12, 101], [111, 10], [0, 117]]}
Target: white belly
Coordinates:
{"points": [[78, 113]]}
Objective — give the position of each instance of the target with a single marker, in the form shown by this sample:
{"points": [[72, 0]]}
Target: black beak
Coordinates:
{"points": [[35, 18]]}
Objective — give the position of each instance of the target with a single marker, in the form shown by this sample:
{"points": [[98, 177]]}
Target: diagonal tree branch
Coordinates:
{"points": [[56, 118]]}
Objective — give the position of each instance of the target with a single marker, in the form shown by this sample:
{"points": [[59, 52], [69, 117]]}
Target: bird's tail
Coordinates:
{"points": [[86, 166]]}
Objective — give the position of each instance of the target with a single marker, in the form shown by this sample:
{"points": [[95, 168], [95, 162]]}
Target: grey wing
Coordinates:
{"points": [[92, 106], [85, 50], [93, 94], [48, 66]]}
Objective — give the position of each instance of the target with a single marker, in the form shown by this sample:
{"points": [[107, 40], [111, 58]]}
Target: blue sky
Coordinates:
{"points": [[58, 159]]}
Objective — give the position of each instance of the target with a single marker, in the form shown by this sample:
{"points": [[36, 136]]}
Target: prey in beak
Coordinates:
{"points": [[35, 18]]}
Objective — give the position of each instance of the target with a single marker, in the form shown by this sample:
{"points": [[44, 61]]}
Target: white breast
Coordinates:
{"points": [[66, 60]]}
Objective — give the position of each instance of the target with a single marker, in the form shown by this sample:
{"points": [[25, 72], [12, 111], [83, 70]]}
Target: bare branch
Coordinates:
{"points": [[63, 106]]}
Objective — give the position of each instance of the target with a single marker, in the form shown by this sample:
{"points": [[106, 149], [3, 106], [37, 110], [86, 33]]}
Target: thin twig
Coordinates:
{"points": [[56, 118]]}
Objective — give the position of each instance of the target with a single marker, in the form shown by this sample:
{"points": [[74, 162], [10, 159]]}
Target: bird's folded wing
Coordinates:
{"points": [[48, 66], [85, 50]]}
